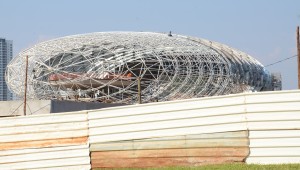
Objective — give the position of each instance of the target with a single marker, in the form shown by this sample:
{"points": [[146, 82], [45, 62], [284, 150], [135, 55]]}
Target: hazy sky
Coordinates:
{"points": [[265, 29]]}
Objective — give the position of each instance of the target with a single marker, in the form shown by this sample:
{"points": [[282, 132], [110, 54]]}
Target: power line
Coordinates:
{"points": [[281, 60]]}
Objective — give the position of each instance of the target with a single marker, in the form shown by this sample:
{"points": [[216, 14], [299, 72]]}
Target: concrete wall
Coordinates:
{"points": [[58, 106], [15, 108], [36, 107]]}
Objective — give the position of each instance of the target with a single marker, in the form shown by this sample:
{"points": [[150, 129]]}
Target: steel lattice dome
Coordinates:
{"points": [[105, 66]]}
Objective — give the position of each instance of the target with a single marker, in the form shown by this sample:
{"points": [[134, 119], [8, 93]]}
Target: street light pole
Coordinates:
{"points": [[298, 52], [139, 90], [25, 90]]}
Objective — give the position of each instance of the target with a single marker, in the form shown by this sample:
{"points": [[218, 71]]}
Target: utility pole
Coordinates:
{"points": [[139, 90], [298, 52], [25, 90]]}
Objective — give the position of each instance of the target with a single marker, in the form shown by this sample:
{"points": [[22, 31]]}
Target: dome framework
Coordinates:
{"points": [[105, 66]]}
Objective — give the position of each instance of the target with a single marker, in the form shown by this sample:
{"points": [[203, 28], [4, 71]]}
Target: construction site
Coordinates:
{"points": [[144, 100], [135, 67]]}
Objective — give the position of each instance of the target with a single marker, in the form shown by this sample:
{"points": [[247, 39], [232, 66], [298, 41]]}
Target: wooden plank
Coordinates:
{"points": [[44, 135], [162, 162], [169, 132], [43, 143], [167, 153], [133, 145]]}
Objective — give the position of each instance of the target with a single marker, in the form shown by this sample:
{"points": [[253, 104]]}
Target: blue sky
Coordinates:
{"points": [[265, 29]]}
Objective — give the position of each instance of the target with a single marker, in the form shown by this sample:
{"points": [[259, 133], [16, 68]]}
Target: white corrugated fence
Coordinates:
{"points": [[53, 141], [252, 127]]}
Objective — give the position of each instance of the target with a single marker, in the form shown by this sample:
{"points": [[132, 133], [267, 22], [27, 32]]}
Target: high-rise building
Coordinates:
{"points": [[6, 54]]}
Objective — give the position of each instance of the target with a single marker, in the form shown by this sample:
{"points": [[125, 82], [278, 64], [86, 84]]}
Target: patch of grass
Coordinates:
{"points": [[235, 166]]}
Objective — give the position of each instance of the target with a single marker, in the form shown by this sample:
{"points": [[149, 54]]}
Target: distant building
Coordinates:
{"points": [[6, 54], [276, 81]]}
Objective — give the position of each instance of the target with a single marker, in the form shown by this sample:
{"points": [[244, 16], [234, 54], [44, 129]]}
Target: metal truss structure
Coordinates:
{"points": [[105, 66]]}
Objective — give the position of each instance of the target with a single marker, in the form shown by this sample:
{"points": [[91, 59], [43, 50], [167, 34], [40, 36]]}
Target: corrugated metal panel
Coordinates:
{"points": [[44, 153], [273, 119], [165, 124], [39, 163], [43, 128], [43, 119], [171, 106], [276, 113], [167, 132], [273, 107], [217, 114], [169, 129], [75, 167], [273, 160], [278, 151], [163, 162], [191, 152], [40, 128], [273, 96], [161, 116], [172, 151], [43, 143], [275, 134], [275, 142], [274, 146], [228, 139], [187, 132], [269, 125], [170, 144], [58, 141], [43, 135]]}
